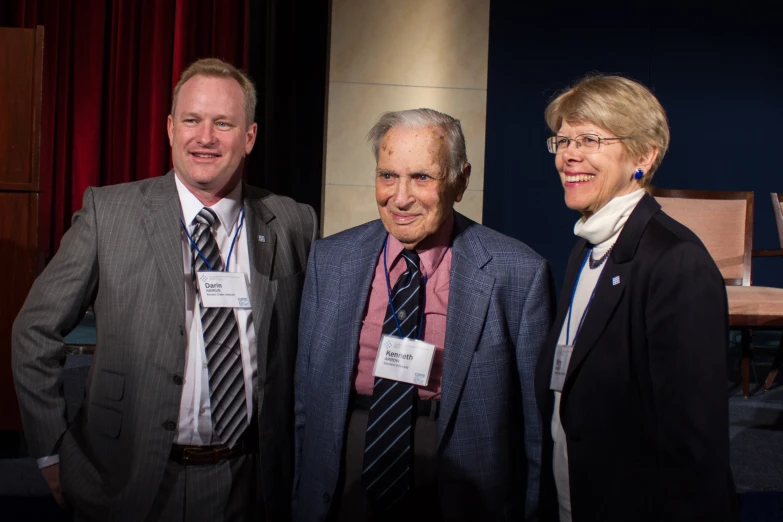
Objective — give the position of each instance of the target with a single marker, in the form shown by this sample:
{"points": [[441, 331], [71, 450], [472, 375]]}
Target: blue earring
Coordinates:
{"points": [[638, 174]]}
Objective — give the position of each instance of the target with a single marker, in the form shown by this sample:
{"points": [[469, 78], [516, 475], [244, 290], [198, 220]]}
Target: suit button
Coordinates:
{"points": [[169, 425], [327, 498], [178, 380]]}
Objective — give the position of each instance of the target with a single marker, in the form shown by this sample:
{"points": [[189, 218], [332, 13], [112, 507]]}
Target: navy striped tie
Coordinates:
{"points": [[387, 472], [221, 343]]}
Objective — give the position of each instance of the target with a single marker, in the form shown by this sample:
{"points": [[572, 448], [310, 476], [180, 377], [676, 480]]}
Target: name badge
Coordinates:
{"points": [[562, 358], [223, 290], [406, 360]]}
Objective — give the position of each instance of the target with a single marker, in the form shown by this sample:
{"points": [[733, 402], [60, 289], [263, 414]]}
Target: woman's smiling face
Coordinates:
{"points": [[591, 180]]}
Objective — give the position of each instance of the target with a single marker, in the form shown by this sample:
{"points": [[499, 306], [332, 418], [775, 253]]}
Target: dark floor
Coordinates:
{"points": [[756, 431]]}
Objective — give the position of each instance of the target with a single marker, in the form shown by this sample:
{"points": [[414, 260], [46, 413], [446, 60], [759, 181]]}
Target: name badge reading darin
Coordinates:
{"points": [[223, 290], [406, 360]]}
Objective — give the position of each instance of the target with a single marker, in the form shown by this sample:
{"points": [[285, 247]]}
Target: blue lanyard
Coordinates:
{"points": [[391, 305], [573, 293], [230, 250]]}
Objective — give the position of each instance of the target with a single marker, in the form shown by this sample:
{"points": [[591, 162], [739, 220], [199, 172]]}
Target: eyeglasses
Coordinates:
{"points": [[587, 143]]}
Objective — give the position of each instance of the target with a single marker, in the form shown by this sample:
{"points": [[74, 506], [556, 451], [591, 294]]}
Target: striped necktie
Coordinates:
{"points": [[221, 342], [387, 472]]}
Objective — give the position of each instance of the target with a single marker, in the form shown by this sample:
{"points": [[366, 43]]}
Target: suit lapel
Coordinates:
{"points": [[261, 242], [547, 358], [469, 293], [612, 283], [356, 277], [608, 292], [163, 228]]}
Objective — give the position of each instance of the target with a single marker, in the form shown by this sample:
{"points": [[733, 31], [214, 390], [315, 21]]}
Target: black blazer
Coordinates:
{"points": [[644, 406]]}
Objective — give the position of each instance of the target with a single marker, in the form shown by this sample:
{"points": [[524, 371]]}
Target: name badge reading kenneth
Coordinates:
{"points": [[223, 290], [405, 360], [560, 368]]}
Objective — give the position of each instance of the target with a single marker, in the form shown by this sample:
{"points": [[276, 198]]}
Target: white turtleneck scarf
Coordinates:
{"points": [[601, 230]]}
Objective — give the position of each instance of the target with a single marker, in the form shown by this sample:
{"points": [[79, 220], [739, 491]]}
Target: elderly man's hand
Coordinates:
{"points": [[51, 475]]}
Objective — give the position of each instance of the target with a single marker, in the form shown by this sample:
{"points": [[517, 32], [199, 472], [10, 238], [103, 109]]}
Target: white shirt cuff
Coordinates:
{"points": [[45, 462]]}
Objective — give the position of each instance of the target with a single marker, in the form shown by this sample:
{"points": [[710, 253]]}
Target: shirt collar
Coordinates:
{"points": [[431, 254], [227, 209]]}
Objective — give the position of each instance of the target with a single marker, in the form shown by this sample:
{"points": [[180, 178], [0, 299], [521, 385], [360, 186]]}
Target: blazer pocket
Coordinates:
{"points": [[110, 386], [493, 342], [105, 420], [289, 292], [285, 276]]}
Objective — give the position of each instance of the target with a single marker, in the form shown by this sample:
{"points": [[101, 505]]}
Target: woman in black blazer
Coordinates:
{"points": [[632, 380]]}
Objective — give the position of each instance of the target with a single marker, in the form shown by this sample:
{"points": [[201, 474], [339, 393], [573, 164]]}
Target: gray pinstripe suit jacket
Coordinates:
{"points": [[499, 311], [124, 254]]}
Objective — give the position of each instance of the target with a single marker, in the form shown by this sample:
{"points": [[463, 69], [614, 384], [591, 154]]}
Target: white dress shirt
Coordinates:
{"points": [[195, 414]]}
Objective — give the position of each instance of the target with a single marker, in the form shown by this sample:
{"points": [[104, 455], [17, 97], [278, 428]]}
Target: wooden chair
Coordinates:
{"points": [[724, 223], [777, 207]]}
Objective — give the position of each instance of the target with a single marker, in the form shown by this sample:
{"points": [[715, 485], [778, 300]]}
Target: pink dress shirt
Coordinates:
{"points": [[435, 265]]}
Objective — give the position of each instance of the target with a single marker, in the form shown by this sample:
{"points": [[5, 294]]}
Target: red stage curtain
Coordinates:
{"points": [[109, 70]]}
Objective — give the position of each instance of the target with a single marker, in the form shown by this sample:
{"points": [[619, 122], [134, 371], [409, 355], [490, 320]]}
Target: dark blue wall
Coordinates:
{"points": [[718, 72]]}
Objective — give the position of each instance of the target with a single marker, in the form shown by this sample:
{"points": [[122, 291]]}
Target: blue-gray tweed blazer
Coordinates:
{"points": [[499, 313]]}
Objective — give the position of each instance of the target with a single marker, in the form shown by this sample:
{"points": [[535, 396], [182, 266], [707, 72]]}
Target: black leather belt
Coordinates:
{"points": [[424, 408], [205, 455]]}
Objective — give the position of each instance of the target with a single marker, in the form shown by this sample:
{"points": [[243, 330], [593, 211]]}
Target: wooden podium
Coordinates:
{"points": [[21, 74]]}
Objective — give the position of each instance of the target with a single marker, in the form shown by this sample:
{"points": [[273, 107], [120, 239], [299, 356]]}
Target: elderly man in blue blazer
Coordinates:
{"points": [[418, 340]]}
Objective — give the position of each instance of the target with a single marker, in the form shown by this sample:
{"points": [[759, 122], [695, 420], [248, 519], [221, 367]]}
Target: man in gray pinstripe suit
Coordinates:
{"points": [[465, 445], [145, 444]]}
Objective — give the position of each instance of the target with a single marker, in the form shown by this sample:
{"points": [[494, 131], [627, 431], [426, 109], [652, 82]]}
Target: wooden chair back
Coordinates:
{"points": [[722, 220], [777, 207]]}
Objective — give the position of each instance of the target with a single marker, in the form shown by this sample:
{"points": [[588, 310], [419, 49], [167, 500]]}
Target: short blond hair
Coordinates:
{"points": [[216, 68], [621, 106]]}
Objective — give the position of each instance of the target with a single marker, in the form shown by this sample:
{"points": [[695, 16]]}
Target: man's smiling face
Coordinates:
{"points": [[209, 136], [411, 187]]}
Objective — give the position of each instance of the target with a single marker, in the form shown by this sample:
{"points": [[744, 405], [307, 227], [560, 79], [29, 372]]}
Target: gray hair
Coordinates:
{"points": [[455, 154]]}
